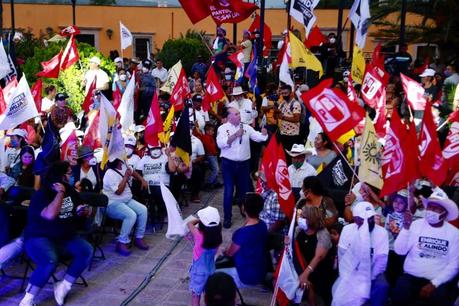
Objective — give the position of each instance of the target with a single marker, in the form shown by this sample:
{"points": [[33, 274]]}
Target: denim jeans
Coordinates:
{"points": [[379, 291], [235, 173], [213, 167], [129, 212], [45, 254]]}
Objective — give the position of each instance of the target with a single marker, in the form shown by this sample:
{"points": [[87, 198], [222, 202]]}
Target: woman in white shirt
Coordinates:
{"points": [[122, 206]]}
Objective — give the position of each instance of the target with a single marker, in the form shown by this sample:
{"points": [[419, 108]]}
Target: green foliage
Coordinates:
{"points": [[185, 49], [70, 80]]}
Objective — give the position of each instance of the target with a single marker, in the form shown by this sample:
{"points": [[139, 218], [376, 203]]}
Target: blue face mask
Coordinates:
{"points": [[447, 73], [14, 143]]}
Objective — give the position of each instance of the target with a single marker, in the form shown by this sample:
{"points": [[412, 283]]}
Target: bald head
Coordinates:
{"points": [[234, 116]]}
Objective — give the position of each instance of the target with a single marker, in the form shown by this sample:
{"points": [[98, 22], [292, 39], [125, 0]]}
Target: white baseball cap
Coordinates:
{"points": [[209, 216], [130, 140], [17, 132], [363, 210], [95, 60], [429, 72]]}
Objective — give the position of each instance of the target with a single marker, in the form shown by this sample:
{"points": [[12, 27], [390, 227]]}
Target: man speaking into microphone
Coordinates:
{"points": [[233, 139]]}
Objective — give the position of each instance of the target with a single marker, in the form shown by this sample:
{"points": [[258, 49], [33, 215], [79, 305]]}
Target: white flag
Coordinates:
{"points": [[361, 21], [5, 68], [284, 72], [108, 128], [303, 12], [126, 108], [172, 77], [175, 224], [126, 36], [20, 107]]}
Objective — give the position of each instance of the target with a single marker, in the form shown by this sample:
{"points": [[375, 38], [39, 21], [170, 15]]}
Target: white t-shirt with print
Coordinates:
{"points": [[154, 170]]}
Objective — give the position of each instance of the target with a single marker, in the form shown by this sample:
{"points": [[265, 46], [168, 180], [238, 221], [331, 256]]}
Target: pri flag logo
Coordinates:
{"points": [[452, 148], [371, 86], [282, 180], [332, 111], [393, 154]]}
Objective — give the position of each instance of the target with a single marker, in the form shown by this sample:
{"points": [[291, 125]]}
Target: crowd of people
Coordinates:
{"points": [[401, 248]]}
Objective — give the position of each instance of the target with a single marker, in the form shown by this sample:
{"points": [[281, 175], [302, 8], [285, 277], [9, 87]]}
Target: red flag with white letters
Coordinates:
{"points": [[275, 167], [432, 164], [214, 90], [180, 92], [196, 10], [332, 109], [451, 154], [230, 11], [414, 93]]}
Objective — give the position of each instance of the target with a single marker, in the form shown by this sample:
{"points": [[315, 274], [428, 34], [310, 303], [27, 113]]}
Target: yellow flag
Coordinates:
{"points": [[358, 65], [345, 137], [302, 57], [370, 156], [167, 127], [172, 77]]}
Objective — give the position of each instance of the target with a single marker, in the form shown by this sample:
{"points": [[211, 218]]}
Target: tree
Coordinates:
{"points": [[438, 23], [186, 48]]}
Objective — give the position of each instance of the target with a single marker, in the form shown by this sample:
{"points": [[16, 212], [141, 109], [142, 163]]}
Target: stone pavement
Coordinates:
{"points": [[111, 281]]}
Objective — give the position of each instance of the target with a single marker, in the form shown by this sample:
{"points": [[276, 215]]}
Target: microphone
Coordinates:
{"points": [[241, 126]]}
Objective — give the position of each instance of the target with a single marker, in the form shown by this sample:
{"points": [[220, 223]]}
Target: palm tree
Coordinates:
{"points": [[439, 23]]}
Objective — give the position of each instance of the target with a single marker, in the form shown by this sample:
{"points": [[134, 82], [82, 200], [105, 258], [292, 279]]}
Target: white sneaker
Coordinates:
{"points": [[27, 300], [60, 291]]}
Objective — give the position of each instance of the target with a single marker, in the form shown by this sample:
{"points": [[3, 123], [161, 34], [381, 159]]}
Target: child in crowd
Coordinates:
{"points": [[210, 147], [207, 237]]}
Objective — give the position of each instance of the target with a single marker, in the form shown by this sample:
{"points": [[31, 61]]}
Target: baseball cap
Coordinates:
{"points": [[17, 132], [130, 140], [95, 60], [363, 210], [429, 72], [209, 216], [61, 96], [197, 97]]}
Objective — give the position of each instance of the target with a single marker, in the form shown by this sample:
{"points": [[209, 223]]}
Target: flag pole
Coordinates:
{"points": [[442, 125], [344, 157]]}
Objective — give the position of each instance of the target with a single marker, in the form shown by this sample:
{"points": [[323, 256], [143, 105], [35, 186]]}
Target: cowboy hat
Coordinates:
{"points": [[237, 91], [439, 197], [297, 150]]}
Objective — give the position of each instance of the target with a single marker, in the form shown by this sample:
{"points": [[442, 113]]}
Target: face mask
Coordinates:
{"points": [[129, 151], [27, 161], [286, 98], [332, 40], [92, 162], [297, 164], [302, 196], [14, 143], [447, 73], [155, 153], [303, 224], [432, 217], [345, 79], [123, 77], [145, 70], [227, 77]]}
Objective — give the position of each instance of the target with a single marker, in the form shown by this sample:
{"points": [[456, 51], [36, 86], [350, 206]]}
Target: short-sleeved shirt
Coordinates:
{"points": [[317, 160], [247, 51], [154, 170], [297, 175], [269, 102], [160, 74], [197, 148], [112, 180], [250, 259], [102, 79], [63, 226], [289, 109]]}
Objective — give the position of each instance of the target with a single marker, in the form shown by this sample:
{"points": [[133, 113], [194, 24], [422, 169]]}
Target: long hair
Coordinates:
{"points": [[30, 150], [314, 216], [212, 236]]}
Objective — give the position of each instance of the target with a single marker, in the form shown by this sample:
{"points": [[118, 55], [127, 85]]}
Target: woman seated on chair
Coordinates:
{"points": [[51, 233], [22, 173], [87, 173], [122, 206], [248, 247]]}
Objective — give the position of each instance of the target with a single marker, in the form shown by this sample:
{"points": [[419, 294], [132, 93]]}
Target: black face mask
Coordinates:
{"points": [[286, 98], [141, 139]]}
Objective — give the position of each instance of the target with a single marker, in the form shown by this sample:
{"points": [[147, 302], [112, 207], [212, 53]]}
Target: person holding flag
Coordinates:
{"points": [[233, 139], [94, 72]]}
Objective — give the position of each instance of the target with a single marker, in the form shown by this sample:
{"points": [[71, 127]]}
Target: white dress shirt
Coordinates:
{"points": [[297, 175], [239, 149], [161, 74], [245, 108]]}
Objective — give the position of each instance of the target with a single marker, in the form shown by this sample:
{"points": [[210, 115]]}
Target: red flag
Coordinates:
{"points": [[51, 68], [92, 134], [69, 146], [36, 90], [454, 116], [431, 162], [394, 162], [351, 93], [70, 30], [2, 102], [414, 93], [89, 99], [267, 34], [275, 168], [196, 10], [451, 154], [8, 90], [377, 58], [154, 124], [280, 55], [315, 38], [230, 11], [117, 98], [180, 92], [70, 55], [412, 166], [332, 109], [214, 90]]}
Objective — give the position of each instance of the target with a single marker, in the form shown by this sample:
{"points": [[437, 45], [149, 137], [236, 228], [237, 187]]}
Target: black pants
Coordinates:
{"points": [[408, 287]]}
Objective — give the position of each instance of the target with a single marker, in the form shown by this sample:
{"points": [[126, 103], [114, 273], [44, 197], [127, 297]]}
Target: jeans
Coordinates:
{"points": [[234, 173], [129, 212], [45, 254], [407, 289], [213, 167], [379, 291], [157, 206]]}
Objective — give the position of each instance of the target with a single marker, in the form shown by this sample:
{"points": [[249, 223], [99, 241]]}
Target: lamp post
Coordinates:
{"points": [[73, 11]]}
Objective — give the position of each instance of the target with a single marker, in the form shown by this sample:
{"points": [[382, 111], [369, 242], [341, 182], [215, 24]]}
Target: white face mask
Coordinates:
{"points": [[145, 70], [123, 77], [129, 151], [303, 224], [432, 217], [155, 153], [332, 40], [302, 196], [227, 77], [92, 161]]}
